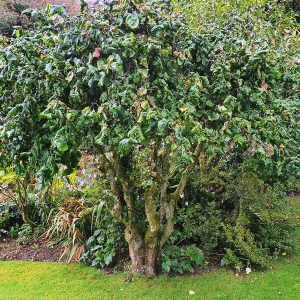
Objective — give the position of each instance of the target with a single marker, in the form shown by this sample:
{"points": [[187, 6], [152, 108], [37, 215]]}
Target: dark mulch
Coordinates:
{"points": [[294, 195], [39, 250], [211, 266], [36, 250]]}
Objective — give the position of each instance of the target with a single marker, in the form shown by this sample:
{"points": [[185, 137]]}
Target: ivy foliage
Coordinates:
{"points": [[132, 75]]}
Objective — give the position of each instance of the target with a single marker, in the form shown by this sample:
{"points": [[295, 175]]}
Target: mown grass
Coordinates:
{"points": [[29, 280], [295, 201]]}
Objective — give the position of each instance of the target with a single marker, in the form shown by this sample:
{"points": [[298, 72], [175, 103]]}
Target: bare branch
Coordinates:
{"points": [[169, 200], [150, 208], [7, 194], [184, 176]]}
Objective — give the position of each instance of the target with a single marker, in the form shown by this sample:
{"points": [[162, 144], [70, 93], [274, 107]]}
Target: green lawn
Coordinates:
{"points": [[28, 280], [295, 201]]}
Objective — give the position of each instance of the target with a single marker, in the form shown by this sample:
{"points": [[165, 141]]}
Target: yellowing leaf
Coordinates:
{"points": [[161, 152], [7, 178], [183, 109], [174, 146], [142, 91], [42, 56], [171, 139], [144, 104], [294, 33]]}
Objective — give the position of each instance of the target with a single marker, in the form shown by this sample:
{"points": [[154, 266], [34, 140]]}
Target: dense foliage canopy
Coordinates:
{"points": [[135, 85]]}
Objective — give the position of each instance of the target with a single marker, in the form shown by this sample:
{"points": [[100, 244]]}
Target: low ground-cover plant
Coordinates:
{"points": [[9, 215], [179, 260], [82, 220], [107, 246]]}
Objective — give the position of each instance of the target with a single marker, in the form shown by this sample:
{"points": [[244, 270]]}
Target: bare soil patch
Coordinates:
{"points": [[37, 250]]}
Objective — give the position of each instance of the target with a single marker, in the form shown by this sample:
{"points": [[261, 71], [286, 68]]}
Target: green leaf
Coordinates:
{"points": [[214, 116], [210, 151], [62, 144], [209, 103], [133, 21], [57, 9], [48, 68], [11, 57], [108, 259], [126, 144], [162, 125], [166, 267]]}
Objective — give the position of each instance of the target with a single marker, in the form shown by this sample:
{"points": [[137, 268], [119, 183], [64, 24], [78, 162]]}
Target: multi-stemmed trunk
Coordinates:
{"points": [[144, 254], [145, 244]]}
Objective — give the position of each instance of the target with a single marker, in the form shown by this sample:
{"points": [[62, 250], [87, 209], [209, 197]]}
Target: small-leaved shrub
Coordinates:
{"points": [[201, 223], [261, 225], [236, 216]]}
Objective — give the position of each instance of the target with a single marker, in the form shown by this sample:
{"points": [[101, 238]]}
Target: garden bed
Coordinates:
{"points": [[37, 250]]}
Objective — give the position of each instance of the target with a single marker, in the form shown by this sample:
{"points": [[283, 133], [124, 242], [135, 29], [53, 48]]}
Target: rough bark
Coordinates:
{"points": [[152, 258], [145, 246], [136, 248], [144, 253]]}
